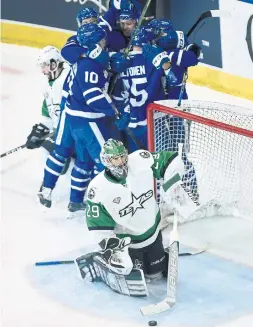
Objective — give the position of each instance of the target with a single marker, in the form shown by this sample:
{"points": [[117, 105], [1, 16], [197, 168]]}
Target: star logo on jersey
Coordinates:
{"points": [[137, 203]]}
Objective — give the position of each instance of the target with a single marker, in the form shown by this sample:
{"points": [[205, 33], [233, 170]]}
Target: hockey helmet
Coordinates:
{"points": [[114, 156]]}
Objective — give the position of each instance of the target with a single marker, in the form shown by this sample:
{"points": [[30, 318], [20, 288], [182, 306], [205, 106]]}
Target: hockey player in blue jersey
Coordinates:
{"points": [[118, 23], [181, 56], [82, 124], [143, 83]]}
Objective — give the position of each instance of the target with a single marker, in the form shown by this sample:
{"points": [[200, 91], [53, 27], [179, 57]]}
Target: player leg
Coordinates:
{"points": [[152, 259], [56, 161], [83, 169]]}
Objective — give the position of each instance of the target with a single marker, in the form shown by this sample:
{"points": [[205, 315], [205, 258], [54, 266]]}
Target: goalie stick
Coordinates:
{"points": [[172, 278]]}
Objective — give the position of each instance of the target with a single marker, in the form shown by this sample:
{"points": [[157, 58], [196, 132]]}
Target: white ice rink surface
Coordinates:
{"points": [[215, 289]]}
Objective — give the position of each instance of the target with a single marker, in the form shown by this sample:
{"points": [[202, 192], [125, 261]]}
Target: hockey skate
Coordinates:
{"points": [[44, 197], [75, 209]]}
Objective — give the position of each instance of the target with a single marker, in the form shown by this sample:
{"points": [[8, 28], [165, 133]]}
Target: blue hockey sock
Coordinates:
{"points": [[54, 167], [80, 179]]}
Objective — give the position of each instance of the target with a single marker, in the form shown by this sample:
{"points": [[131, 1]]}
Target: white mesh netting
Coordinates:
{"points": [[218, 163]]}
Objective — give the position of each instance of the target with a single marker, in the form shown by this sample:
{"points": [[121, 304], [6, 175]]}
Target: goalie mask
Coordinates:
{"points": [[114, 156], [50, 61]]}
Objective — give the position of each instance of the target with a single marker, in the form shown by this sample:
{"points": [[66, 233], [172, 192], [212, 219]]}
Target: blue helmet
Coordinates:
{"points": [[86, 13], [143, 36], [128, 15], [159, 26], [90, 34]]}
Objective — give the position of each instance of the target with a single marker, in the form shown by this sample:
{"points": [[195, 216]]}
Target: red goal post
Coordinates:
{"points": [[218, 149]]}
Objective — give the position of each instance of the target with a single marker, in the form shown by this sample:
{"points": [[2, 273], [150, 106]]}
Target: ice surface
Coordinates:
{"points": [[215, 289]]}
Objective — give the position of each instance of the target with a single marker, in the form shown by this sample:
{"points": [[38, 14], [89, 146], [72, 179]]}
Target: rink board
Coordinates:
{"points": [[210, 291]]}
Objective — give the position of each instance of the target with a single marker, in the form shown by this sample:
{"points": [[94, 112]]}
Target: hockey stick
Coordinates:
{"points": [[13, 150], [172, 278], [21, 147], [65, 262], [128, 130], [54, 263], [209, 14]]}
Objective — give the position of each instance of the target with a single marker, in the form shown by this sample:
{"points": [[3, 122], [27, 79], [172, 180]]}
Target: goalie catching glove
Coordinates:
{"points": [[37, 136], [173, 191], [114, 256]]}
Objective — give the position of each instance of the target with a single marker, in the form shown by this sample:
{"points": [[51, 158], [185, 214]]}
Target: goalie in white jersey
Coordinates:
{"points": [[121, 200]]}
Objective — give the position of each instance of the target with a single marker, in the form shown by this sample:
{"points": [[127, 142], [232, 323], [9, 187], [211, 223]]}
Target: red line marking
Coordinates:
{"points": [[10, 70]]}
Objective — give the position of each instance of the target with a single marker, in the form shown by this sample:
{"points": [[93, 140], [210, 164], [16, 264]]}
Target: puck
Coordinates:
{"points": [[152, 323]]}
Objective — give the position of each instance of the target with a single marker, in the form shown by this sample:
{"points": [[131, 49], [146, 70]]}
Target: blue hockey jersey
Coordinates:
{"points": [[144, 84], [180, 61], [116, 41], [87, 95]]}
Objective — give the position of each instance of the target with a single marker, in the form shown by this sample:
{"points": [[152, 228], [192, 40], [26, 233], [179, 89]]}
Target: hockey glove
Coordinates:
{"points": [[173, 40], [155, 54], [119, 62], [196, 49], [99, 55], [170, 77], [37, 136], [124, 119]]}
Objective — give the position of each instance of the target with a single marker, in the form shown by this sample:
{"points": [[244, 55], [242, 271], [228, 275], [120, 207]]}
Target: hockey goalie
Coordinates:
{"points": [[123, 214]]}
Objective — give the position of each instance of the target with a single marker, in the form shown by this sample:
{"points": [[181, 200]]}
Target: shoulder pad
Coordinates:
{"points": [[141, 159]]}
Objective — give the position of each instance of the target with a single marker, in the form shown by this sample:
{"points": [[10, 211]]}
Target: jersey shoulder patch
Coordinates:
{"points": [[93, 191], [145, 154]]}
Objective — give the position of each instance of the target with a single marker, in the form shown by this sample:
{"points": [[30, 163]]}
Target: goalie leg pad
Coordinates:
{"points": [[92, 270]]}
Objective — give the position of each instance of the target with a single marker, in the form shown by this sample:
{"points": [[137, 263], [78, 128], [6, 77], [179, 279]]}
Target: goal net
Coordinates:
{"points": [[217, 151]]}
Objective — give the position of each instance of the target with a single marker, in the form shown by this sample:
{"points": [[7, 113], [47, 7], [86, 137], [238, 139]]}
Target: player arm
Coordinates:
{"points": [[162, 160], [72, 51], [185, 58], [98, 218]]}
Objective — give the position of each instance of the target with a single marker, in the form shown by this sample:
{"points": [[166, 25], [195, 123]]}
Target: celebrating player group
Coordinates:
{"points": [[94, 114]]}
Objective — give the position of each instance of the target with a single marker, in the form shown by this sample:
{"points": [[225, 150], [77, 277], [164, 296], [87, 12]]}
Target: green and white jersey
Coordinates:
{"points": [[52, 98], [129, 207]]}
